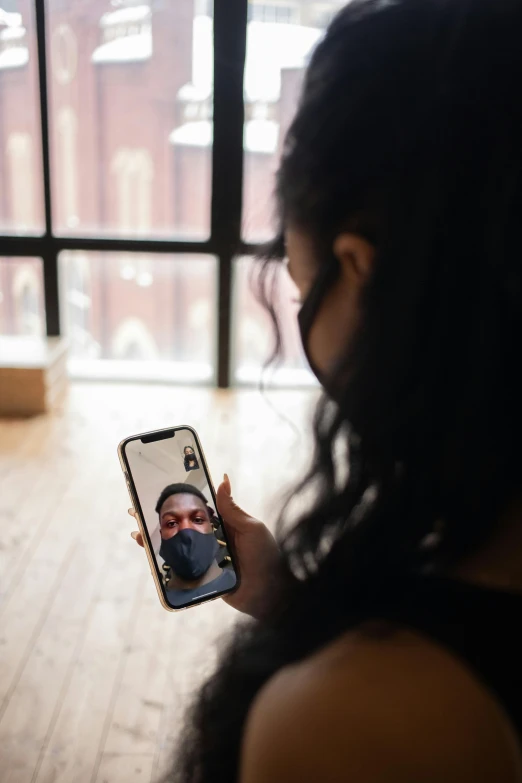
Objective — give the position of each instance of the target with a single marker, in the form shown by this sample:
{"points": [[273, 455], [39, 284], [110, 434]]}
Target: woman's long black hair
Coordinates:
{"points": [[408, 132]]}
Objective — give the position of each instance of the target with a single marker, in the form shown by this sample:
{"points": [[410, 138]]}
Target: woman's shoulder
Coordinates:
{"points": [[376, 706]]}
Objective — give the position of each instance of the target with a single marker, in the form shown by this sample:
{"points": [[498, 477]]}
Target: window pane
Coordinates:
{"points": [[253, 333], [21, 297], [131, 125], [140, 316], [21, 196], [281, 37]]}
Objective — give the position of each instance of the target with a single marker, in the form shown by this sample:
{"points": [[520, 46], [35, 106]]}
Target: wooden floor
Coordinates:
{"points": [[94, 674]]}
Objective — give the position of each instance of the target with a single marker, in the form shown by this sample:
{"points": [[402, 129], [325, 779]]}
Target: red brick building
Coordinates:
{"points": [[131, 135]]}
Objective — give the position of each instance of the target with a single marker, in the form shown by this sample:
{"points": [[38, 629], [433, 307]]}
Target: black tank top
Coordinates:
{"points": [[480, 626]]}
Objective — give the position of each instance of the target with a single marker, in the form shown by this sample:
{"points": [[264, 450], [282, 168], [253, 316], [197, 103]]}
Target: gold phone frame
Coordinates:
{"points": [[142, 525]]}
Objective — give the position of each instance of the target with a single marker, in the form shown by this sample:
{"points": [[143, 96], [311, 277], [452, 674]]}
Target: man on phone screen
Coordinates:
{"points": [[189, 546]]}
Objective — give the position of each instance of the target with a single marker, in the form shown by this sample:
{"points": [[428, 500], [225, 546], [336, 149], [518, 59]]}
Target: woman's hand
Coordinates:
{"points": [[256, 553]]}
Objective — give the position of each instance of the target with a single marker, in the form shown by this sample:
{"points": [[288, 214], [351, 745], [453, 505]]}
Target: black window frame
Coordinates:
{"points": [[225, 241]]}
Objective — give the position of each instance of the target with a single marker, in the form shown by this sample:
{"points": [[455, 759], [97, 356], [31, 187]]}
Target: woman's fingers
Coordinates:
{"points": [[137, 537], [227, 485], [135, 534], [233, 515]]}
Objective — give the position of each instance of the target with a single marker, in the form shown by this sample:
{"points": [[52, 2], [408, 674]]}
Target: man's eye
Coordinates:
{"points": [[172, 522], [200, 520]]}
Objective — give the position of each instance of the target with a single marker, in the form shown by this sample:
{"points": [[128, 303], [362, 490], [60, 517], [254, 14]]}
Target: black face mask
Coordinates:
{"points": [[326, 277], [189, 553]]}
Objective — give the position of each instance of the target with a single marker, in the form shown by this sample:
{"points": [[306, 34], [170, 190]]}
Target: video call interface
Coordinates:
{"points": [[180, 515]]}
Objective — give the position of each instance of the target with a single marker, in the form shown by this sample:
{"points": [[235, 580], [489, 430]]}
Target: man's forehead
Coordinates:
{"points": [[182, 500]]}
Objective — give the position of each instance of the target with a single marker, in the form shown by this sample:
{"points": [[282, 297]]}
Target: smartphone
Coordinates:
{"points": [[184, 535]]}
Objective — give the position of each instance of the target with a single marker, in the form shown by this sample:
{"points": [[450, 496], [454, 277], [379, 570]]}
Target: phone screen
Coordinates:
{"points": [[178, 507]]}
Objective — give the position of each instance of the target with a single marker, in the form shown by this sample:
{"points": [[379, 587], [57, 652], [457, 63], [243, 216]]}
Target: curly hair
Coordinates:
{"points": [[408, 132]]}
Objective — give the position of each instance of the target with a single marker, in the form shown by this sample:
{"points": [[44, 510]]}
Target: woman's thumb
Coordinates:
{"points": [[233, 515]]}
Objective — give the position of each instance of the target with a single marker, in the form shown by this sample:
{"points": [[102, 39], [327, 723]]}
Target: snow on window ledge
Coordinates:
{"points": [[126, 36], [15, 57], [260, 136], [132, 48], [13, 50]]}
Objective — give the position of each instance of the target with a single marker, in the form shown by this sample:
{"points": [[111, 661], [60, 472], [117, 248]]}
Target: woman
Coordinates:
{"points": [[189, 459], [390, 650]]}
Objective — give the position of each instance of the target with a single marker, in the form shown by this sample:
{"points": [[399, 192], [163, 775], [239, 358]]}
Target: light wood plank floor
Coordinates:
{"points": [[94, 674]]}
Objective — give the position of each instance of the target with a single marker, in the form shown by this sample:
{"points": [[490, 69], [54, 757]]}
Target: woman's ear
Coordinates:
{"points": [[355, 255]]}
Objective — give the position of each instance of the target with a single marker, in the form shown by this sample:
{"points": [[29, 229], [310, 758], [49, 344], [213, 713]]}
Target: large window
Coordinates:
{"points": [[120, 309], [138, 143], [254, 336], [130, 111], [21, 297], [21, 191], [281, 37], [280, 40]]}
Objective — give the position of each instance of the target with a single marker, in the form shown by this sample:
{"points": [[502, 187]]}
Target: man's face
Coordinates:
{"points": [[184, 512]]}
